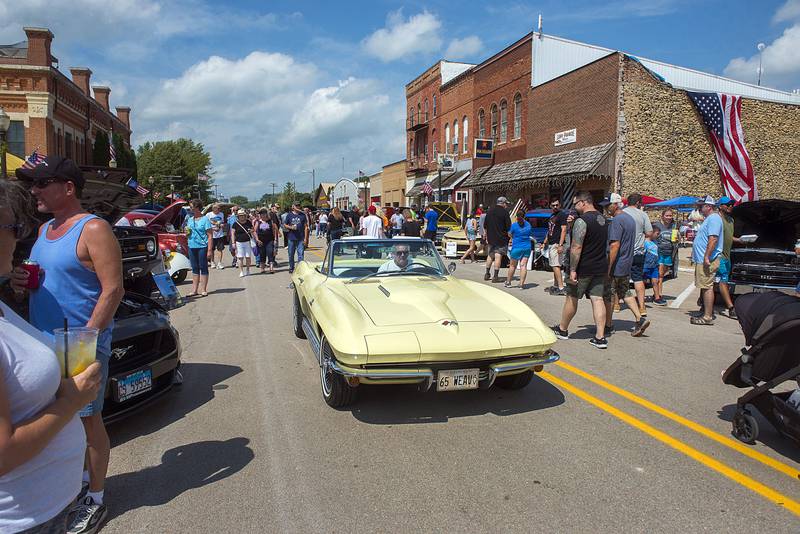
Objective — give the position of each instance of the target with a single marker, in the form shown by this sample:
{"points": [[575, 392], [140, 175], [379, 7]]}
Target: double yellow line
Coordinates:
{"points": [[738, 477]]}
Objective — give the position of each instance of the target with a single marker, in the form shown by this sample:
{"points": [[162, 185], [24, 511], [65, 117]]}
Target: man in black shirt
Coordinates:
{"points": [[553, 245], [588, 268], [496, 227]]}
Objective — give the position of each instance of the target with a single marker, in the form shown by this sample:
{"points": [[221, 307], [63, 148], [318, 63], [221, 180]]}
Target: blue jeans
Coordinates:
{"points": [[198, 257], [295, 246]]}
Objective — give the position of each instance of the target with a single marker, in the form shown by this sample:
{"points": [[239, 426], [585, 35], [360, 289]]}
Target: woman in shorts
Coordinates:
{"points": [[242, 234], [471, 230], [520, 249]]}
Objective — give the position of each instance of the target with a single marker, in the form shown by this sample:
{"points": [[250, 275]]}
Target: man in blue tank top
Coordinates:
{"points": [[82, 283]]}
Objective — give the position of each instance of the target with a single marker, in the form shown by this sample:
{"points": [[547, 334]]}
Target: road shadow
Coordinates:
{"points": [[181, 469], [767, 434], [226, 290], [395, 405], [199, 380]]}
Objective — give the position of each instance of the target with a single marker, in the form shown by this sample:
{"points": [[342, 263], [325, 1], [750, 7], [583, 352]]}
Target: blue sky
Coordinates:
{"points": [[277, 88]]}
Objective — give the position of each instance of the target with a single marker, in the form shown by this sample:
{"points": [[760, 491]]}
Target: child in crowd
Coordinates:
{"points": [[651, 262]]}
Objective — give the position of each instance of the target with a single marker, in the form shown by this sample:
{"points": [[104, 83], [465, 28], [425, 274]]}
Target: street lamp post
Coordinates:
{"points": [[761, 47], [5, 123]]}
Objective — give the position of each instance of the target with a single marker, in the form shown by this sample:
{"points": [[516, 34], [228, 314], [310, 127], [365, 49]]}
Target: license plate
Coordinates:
{"points": [[455, 379], [134, 384]]}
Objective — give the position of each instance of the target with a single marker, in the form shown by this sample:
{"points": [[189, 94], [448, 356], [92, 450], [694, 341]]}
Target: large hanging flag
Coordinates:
{"points": [[722, 115], [33, 160], [427, 189], [112, 152]]}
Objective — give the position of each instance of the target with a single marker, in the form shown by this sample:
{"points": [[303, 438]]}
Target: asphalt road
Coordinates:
{"points": [[635, 438]]}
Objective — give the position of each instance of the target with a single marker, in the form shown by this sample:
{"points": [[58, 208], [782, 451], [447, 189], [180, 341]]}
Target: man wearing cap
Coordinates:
{"points": [[297, 231], [372, 225], [706, 252], [723, 273], [82, 285], [496, 226]]}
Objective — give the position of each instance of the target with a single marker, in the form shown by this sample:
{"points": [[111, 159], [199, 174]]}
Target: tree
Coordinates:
{"points": [[239, 200], [175, 163], [100, 156]]}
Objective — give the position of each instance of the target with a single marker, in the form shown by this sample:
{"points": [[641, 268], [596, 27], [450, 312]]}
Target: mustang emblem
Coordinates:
{"points": [[448, 323], [120, 352]]}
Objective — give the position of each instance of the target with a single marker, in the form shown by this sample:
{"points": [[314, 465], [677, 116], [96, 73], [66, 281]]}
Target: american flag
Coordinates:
{"points": [[112, 152], [427, 189], [156, 195], [722, 116], [33, 160], [202, 177], [133, 184]]}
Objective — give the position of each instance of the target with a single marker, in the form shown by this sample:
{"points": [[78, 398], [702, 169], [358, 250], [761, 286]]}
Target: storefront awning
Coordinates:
{"points": [[449, 181], [552, 169]]}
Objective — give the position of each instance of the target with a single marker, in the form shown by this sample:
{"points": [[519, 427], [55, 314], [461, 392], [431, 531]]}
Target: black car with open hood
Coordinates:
{"points": [[770, 262]]}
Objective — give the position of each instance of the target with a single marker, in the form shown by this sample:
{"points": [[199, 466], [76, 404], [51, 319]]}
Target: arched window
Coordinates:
{"points": [[447, 138], [425, 147], [434, 151], [465, 129], [481, 125], [419, 112], [434, 105], [411, 116], [517, 116], [493, 118], [426, 110], [503, 121], [455, 137]]}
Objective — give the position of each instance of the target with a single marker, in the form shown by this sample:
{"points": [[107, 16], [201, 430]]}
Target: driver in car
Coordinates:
{"points": [[401, 260]]}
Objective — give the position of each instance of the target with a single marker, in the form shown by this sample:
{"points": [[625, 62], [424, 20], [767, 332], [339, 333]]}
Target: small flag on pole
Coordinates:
{"points": [[112, 153], [427, 189], [33, 160], [203, 177], [133, 184]]}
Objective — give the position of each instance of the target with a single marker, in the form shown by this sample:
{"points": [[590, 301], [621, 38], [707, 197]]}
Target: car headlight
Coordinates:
{"points": [[150, 246]]}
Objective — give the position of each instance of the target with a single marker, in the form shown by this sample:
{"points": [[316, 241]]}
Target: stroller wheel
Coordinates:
{"points": [[745, 428]]}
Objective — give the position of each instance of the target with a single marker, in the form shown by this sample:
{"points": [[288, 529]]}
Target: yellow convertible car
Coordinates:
{"points": [[388, 311]]}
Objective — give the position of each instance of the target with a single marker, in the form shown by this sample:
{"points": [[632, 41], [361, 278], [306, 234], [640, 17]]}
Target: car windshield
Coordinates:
{"points": [[365, 258]]}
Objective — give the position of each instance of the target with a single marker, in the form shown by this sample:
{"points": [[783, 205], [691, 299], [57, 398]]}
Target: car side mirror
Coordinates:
{"points": [[452, 267]]}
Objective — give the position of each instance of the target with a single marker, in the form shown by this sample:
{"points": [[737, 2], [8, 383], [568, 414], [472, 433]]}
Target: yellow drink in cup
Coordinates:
{"points": [[75, 349]]}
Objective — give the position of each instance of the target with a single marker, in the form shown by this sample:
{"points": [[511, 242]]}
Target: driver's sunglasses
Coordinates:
{"points": [[401, 253]]}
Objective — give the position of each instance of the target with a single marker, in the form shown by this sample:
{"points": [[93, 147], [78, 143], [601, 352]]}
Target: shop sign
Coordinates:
{"points": [[484, 148], [446, 162], [567, 137]]}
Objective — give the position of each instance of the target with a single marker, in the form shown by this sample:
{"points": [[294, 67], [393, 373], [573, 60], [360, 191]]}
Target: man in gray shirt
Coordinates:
{"points": [[621, 243], [643, 229]]}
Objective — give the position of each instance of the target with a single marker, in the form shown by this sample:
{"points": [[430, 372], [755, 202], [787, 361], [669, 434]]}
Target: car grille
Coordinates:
{"points": [[765, 274], [130, 353], [135, 248]]}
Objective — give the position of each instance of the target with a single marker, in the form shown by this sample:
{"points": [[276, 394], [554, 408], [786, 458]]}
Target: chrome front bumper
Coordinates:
{"points": [[425, 376]]}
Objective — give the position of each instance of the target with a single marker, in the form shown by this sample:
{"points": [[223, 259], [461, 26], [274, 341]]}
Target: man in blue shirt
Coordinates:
{"points": [[706, 252], [297, 233], [431, 223]]}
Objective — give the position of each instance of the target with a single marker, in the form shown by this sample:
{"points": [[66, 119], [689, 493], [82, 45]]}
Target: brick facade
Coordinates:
{"points": [[58, 114], [393, 184], [457, 105], [422, 125]]}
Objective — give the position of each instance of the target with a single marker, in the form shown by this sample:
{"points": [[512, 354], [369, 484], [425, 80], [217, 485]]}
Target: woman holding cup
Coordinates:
{"points": [[42, 442]]}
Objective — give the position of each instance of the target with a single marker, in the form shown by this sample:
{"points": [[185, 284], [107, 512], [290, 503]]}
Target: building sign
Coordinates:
{"points": [[447, 162], [565, 138], [484, 148]]}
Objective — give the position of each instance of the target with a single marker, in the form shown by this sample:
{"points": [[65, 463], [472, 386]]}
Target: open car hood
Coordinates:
{"points": [[106, 193], [169, 215], [447, 213], [407, 303], [776, 222]]}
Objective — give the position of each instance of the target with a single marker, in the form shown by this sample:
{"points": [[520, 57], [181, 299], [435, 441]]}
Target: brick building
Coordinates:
{"points": [[49, 111], [393, 184], [602, 120]]}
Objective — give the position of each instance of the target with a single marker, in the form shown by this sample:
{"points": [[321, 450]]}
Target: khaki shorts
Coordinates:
{"points": [[593, 286], [619, 287], [704, 276], [553, 256]]}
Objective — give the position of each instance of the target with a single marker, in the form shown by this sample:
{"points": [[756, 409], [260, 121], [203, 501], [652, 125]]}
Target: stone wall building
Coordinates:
{"points": [[50, 112]]}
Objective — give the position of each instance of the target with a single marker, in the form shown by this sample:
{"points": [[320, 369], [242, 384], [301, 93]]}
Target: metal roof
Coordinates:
{"points": [[16, 50], [572, 164], [555, 56]]}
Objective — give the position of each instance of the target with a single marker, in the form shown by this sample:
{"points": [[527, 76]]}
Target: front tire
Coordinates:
{"points": [[297, 318], [335, 390], [517, 381]]}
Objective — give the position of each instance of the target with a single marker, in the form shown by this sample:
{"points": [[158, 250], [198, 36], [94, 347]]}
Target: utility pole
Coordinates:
{"points": [[273, 192]]}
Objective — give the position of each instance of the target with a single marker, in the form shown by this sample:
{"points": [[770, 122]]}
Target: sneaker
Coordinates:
{"points": [[660, 302], [556, 292], [640, 327], [241, 275], [247, 271], [560, 334], [86, 517], [599, 343], [610, 330], [487, 277], [83, 492], [550, 289], [495, 279]]}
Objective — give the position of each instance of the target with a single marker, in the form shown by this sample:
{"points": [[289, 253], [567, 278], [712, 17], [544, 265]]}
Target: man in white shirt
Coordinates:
{"points": [[397, 222], [372, 225], [401, 260]]}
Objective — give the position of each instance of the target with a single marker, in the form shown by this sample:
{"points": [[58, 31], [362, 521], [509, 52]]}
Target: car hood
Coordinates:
{"points": [[106, 193], [776, 222], [399, 301], [170, 214]]}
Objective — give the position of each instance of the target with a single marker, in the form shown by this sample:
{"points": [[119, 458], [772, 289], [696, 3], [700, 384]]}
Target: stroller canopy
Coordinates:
{"points": [[762, 313]]}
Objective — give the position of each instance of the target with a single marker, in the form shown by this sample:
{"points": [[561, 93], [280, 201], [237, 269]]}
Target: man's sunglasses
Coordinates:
{"points": [[401, 253], [41, 183]]}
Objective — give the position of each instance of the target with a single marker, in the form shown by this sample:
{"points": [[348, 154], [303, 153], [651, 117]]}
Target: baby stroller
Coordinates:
{"points": [[771, 325]]}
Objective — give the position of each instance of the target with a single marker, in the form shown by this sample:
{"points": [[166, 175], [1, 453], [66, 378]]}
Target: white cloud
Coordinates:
{"points": [[464, 48], [781, 62], [788, 11], [403, 38], [268, 117]]}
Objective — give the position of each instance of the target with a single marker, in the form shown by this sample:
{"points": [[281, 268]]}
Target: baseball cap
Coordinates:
{"points": [[723, 201], [241, 212], [613, 198], [502, 200], [708, 199], [372, 210], [53, 167]]}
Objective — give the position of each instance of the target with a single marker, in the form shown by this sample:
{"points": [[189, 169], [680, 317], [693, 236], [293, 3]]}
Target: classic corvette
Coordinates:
{"points": [[388, 311]]}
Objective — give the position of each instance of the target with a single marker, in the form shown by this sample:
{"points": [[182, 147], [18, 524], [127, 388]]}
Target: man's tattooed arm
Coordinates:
{"points": [[578, 234]]}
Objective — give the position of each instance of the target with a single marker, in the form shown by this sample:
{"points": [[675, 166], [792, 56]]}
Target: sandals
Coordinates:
{"points": [[701, 321], [193, 294]]}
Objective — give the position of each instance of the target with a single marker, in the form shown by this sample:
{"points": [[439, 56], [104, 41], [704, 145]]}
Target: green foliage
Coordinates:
{"points": [[182, 159], [100, 154], [239, 200]]}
